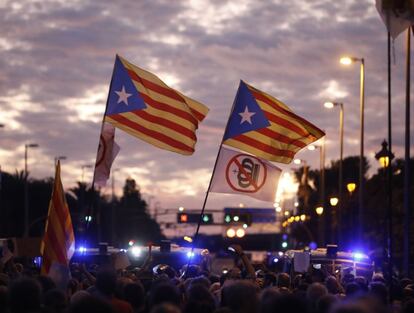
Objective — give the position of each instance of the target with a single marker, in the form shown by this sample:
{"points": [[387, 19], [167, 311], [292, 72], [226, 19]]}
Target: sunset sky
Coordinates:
{"points": [[56, 60]]}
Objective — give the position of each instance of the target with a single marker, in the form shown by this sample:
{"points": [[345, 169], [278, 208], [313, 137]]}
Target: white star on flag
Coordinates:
{"points": [[246, 116], [123, 95]]}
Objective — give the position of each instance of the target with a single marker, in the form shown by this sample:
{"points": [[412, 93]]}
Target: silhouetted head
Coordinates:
{"points": [[106, 282], [25, 296]]}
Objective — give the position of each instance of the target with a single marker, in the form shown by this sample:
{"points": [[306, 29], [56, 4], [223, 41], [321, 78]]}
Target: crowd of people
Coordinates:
{"points": [[245, 288]]}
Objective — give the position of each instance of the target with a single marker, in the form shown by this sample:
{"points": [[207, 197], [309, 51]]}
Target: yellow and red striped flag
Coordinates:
{"points": [[58, 244], [142, 105], [264, 126]]}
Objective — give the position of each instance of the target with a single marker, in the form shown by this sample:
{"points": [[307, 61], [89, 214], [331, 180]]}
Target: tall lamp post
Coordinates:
{"points": [[348, 61], [331, 105], [384, 157], [321, 224], [26, 188]]}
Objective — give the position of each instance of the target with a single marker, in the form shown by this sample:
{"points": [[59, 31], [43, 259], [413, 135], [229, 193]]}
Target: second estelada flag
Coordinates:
{"points": [[142, 105], [265, 127], [241, 173]]}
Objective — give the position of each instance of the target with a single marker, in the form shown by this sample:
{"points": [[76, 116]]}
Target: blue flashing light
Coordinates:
{"points": [[190, 254], [313, 245], [358, 255], [284, 236], [82, 249], [275, 260]]}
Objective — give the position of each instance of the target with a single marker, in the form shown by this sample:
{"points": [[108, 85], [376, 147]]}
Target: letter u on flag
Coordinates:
{"points": [[58, 244], [142, 105], [237, 172], [265, 127]]}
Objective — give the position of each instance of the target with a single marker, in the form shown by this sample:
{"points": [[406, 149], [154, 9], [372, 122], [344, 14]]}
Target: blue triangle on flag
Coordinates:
{"points": [[123, 96], [246, 115]]}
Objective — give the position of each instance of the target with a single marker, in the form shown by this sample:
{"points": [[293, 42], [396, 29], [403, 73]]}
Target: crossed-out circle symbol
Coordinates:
{"points": [[255, 185], [101, 150]]}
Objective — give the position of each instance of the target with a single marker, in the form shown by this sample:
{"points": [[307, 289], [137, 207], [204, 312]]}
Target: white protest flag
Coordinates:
{"points": [[242, 173], [107, 151], [396, 15]]}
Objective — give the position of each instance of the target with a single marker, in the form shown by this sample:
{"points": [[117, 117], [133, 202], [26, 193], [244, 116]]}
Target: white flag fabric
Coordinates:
{"points": [[107, 151], [241, 173], [396, 15]]}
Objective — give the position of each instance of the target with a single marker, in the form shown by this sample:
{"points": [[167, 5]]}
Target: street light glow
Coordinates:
{"points": [[231, 233], [333, 201], [329, 105], [351, 187], [319, 210], [181, 209], [297, 161], [311, 147], [346, 60]]}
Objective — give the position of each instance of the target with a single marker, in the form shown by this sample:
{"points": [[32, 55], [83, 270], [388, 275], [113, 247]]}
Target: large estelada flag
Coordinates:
{"points": [[58, 243], [396, 15], [265, 127], [145, 107], [242, 173]]}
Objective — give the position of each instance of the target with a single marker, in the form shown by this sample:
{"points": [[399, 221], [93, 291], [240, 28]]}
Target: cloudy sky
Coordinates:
{"points": [[56, 59]]}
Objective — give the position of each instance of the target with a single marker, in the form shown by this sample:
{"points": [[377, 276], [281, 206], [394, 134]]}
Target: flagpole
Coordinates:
{"points": [[209, 184], [90, 210], [407, 211], [389, 242]]}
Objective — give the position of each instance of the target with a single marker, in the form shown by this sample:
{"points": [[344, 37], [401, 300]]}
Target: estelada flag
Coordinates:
{"points": [[107, 151], [58, 243], [142, 105], [265, 127], [396, 15], [241, 173]]}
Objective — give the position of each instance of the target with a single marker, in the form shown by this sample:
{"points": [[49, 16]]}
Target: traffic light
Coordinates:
{"points": [[238, 218], [193, 218], [182, 218], [285, 241], [207, 218]]}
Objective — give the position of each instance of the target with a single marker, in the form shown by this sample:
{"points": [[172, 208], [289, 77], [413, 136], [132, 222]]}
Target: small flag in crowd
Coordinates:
{"points": [[107, 151], [396, 15], [142, 105], [58, 244], [265, 127], [242, 173]]}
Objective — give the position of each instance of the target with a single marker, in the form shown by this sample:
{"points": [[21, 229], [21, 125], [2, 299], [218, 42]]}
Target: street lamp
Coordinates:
{"points": [[319, 210], [331, 105], [348, 61], [333, 201], [321, 223], [26, 188], [351, 187], [384, 156]]}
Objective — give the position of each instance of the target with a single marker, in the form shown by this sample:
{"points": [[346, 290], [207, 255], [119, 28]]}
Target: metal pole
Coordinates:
{"points": [[389, 175], [340, 183], [407, 211], [26, 197], [361, 160], [322, 216]]}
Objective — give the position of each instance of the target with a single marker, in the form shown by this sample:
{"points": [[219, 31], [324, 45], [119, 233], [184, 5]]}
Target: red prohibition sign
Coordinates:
{"points": [[256, 187]]}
